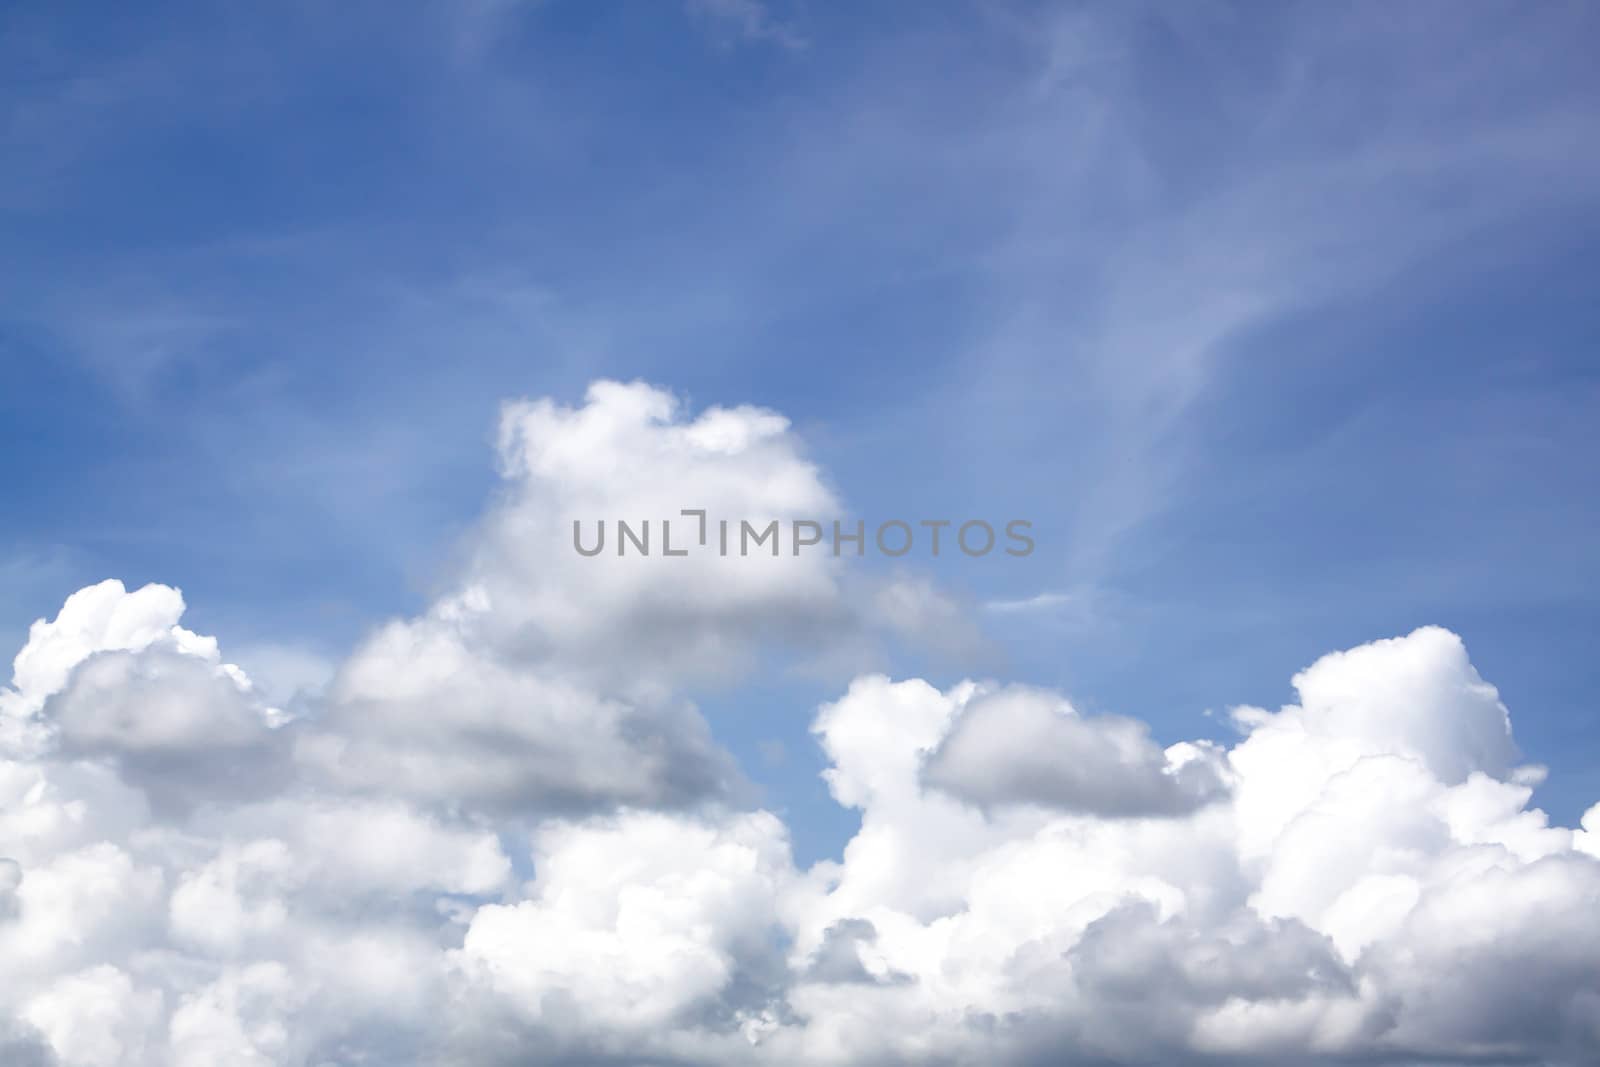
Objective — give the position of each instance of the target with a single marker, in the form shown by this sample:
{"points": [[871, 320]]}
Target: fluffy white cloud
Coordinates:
{"points": [[1022, 746], [544, 679], [632, 453], [501, 835], [1374, 884], [134, 639], [425, 710], [635, 923], [97, 1017]]}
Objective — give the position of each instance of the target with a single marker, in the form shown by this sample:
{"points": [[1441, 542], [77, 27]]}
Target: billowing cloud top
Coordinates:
{"points": [[631, 454], [503, 835]]}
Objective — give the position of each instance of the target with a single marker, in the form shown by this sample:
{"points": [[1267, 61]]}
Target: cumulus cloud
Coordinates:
{"points": [[101, 622], [1293, 917], [632, 452], [425, 710], [175, 725], [635, 924], [492, 839], [544, 679], [1023, 746]]}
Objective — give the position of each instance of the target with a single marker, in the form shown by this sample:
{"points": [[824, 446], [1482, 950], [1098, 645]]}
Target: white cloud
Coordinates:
{"points": [[490, 841], [1376, 840], [1022, 746], [631, 452], [239, 1019], [636, 923], [102, 619], [97, 1017], [424, 710]]}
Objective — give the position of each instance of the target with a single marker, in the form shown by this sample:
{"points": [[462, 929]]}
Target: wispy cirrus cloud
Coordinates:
{"points": [[748, 20], [1039, 602]]}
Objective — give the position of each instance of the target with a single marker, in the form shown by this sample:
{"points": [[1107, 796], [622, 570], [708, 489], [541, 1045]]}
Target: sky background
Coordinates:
{"points": [[1277, 321]]}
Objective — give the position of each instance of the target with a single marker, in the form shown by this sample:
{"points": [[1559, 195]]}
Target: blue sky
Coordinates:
{"points": [[1277, 320]]}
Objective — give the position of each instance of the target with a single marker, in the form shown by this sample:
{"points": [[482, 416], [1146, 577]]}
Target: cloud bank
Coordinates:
{"points": [[504, 835]]}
